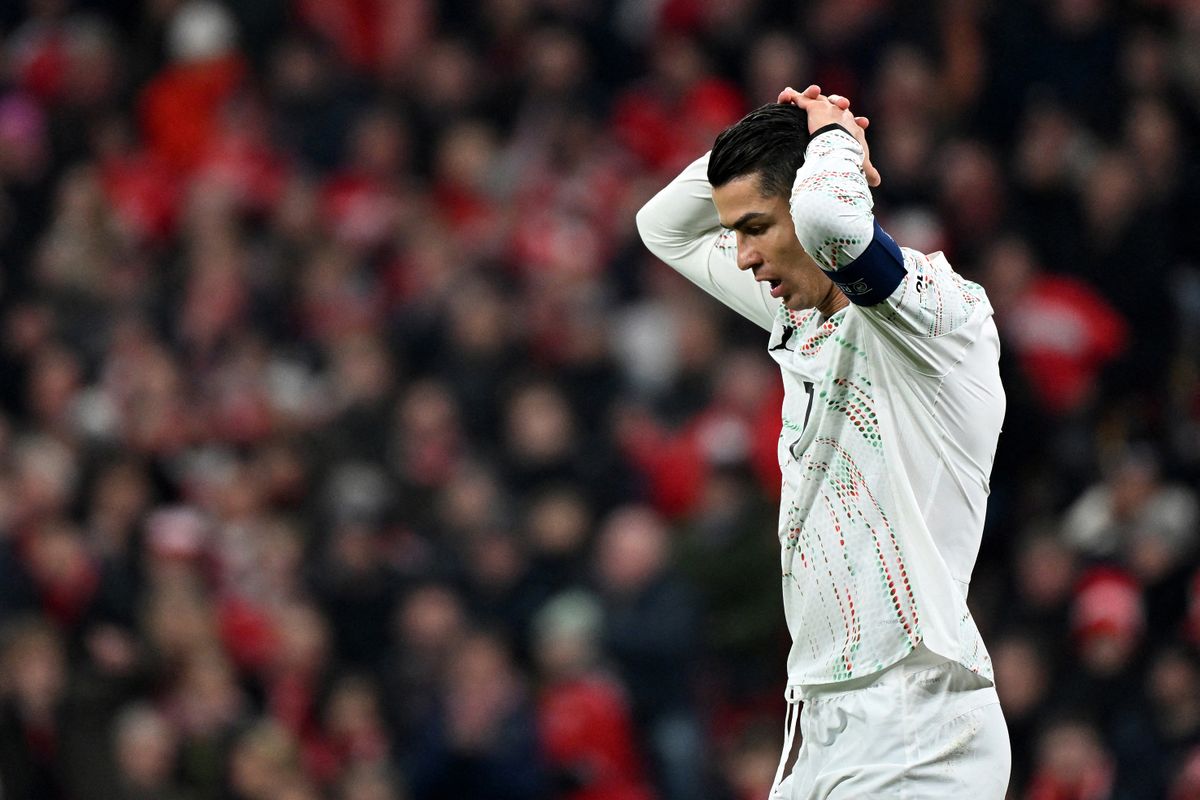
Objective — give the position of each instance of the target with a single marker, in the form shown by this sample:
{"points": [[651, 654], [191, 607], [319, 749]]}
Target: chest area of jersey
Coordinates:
{"points": [[828, 385]]}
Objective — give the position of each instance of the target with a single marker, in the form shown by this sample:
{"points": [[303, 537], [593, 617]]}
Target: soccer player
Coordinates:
{"points": [[891, 412]]}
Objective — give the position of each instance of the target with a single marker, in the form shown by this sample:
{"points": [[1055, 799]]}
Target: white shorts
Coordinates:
{"points": [[924, 728]]}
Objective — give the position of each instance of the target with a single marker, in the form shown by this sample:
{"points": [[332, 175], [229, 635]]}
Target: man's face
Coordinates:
{"points": [[767, 243]]}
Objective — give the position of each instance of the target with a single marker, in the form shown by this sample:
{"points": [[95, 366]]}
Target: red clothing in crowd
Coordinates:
{"points": [[180, 109], [587, 732], [666, 133], [372, 35], [65, 577], [1093, 785], [1064, 333], [143, 195], [677, 463]]}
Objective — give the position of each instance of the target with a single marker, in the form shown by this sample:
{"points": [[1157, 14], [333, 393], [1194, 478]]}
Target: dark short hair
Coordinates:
{"points": [[769, 141]]}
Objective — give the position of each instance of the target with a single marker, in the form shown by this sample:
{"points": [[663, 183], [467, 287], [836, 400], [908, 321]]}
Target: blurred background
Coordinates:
{"points": [[353, 448]]}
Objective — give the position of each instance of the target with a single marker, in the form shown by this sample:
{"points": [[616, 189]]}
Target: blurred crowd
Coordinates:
{"points": [[353, 448]]}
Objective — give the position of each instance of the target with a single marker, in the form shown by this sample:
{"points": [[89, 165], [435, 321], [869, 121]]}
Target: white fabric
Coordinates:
{"points": [[886, 461], [831, 202], [925, 728], [790, 719], [680, 226]]}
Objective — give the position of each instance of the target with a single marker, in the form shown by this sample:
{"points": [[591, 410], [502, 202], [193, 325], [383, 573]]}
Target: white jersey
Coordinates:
{"points": [[891, 413]]}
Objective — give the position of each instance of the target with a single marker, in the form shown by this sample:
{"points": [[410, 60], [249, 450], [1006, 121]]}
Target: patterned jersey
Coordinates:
{"points": [[891, 413]]}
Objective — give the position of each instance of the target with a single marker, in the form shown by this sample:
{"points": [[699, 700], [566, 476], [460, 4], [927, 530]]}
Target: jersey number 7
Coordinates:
{"points": [[808, 389]]}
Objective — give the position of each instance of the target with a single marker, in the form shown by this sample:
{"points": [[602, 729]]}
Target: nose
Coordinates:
{"points": [[747, 256]]}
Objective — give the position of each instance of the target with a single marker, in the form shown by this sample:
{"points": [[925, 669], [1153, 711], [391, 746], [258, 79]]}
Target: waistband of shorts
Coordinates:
{"points": [[920, 658]]}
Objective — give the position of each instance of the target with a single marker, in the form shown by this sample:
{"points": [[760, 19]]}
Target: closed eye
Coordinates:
{"points": [[752, 223]]}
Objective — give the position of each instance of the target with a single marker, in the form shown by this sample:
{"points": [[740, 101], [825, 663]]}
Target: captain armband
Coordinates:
{"points": [[873, 276]]}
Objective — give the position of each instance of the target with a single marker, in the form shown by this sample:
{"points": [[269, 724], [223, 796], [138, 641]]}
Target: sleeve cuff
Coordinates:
{"points": [[833, 126]]}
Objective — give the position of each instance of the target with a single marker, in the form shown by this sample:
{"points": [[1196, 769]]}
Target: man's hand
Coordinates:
{"points": [[833, 109]]}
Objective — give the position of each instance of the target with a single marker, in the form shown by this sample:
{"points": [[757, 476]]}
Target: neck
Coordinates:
{"points": [[833, 302]]}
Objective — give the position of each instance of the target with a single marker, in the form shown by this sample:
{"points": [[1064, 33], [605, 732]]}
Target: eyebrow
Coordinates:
{"points": [[744, 219]]}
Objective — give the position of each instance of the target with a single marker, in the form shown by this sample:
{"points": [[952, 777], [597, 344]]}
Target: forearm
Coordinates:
{"points": [[680, 216], [831, 209], [681, 227], [831, 202]]}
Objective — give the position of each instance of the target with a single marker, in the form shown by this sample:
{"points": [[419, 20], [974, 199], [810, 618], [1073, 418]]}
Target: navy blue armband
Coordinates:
{"points": [[873, 276]]}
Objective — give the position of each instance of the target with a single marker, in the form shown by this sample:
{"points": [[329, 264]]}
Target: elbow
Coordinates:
{"points": [[649, 230], [644, 219]]}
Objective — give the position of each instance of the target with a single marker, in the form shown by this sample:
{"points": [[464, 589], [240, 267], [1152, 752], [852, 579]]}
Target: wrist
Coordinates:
{"points": [[833, 126]]}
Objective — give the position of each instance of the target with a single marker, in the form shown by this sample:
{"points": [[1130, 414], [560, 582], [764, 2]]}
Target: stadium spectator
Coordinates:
{"points": [[650, 629], [584, 717], [481, 738], [145, 755], [327, 339]]}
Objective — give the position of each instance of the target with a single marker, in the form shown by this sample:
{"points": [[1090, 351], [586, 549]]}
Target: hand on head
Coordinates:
{"points": [[824, 110]]}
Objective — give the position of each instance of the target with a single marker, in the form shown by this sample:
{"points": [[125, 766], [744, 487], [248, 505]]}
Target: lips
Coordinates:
{"points": [[776, 284]]}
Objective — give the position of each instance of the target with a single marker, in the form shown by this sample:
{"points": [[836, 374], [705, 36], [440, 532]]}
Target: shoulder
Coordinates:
{"points": [[924, 269]]}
